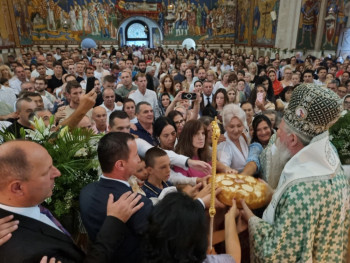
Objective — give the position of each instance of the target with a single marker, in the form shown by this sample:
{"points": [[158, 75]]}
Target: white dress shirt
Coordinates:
{"points": [[116, 107], [35, 73], [150, 96], [8, 96], [205, 99], [15, 84]]}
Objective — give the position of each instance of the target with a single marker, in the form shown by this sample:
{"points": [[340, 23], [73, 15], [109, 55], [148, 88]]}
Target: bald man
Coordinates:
{"points": [[85, 123], [27, 178], [99, 116]]}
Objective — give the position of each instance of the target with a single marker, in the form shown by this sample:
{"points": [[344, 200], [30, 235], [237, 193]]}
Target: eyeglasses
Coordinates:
{"points": [[179, 122]]}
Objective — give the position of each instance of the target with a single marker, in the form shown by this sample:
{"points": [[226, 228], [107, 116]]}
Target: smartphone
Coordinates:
{"points": [[260, 96], [188, 96]]}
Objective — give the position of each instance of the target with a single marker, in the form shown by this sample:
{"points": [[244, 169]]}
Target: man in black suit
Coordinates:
{"points": [[207, 95], [27, 178], [117, 154]]}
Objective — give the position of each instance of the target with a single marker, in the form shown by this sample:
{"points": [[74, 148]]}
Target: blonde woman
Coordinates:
{"points": [[232, 93], [212, 76], [5, 72], [253, 70]]}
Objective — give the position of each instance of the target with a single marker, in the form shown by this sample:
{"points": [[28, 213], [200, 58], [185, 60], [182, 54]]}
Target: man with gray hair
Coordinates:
{"points": [[152, 80], [308, 218]]}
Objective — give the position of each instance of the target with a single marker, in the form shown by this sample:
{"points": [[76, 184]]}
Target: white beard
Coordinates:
{"points": [[279, 159]]}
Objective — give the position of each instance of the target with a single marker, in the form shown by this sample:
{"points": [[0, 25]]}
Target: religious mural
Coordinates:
{"points": [[309, 14], [7, 35], [243, 22], [265, 17], [335, 22], [198, 19]]}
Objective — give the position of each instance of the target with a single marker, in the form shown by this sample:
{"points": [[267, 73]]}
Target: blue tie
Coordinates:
{"points": [[47, 212]]}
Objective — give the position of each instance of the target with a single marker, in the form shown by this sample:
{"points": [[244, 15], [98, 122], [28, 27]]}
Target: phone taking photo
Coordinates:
{"points": [[260, 96], [188, 96]]}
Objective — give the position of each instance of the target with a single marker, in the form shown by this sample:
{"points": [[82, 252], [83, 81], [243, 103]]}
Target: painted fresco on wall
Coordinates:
{"points": [[335, 21], [243, 24], [309, 14], [7, 36], [73, 21], [265, 17], [199, 20], [23, 22]]}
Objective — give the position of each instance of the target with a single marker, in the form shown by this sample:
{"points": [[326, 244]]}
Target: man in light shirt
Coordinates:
{"points": [[16, 81], [144, 94]]}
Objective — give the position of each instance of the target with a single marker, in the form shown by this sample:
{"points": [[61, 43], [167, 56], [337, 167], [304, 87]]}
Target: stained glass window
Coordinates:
{"points": [[136, 30]]}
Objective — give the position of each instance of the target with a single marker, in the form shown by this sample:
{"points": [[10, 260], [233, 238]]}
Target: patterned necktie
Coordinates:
{"points": [[47, 212]]}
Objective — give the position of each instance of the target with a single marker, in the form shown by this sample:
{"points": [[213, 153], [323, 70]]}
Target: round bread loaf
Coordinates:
{"points": [[255, 193]]}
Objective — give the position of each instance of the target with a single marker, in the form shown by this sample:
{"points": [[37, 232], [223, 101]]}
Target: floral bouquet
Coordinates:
{"points": [[340, 137], [74, 153]]}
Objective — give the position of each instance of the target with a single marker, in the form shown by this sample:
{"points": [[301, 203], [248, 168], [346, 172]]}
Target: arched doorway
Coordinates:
{"points": [[137, 33], [132, 31]]}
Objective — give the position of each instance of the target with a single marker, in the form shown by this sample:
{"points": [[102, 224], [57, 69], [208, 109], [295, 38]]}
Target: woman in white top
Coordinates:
{"points": [[234, 151], [223, 84]]}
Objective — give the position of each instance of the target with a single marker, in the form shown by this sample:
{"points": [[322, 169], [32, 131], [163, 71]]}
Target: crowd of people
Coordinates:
{"points": [[155, 107]]}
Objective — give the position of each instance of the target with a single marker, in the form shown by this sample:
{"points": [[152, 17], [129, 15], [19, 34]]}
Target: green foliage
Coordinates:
{"points": [[74, 153], [340, 137]]}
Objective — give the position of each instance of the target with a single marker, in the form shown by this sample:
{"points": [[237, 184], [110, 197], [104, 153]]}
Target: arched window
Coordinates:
{"points": [[137, 34]]}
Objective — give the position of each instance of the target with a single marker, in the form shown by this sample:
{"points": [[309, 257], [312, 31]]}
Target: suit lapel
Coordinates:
{"points": [[37, 226]]}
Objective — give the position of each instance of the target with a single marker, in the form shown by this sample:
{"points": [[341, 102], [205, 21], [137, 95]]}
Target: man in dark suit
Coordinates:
{"points": [[207, 95], [117, 154], [27, 178]]}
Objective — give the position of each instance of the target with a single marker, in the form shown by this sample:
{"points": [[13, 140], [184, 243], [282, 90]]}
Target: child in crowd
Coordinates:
{"points": [[158, 168]]}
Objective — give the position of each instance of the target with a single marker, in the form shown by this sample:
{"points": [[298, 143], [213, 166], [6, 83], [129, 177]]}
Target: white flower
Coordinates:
{"points": [[34, 135], [81, 152], [38, 124]]}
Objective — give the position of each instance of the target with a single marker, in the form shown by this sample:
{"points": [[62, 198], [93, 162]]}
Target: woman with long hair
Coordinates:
{"points": [[217, 68], [164, 102], [192, 143], [232, 94], [253, 70], [220, 99], [5, 72], [259, 99], [178, 119], [168, 86], [163, 68], [267, 83], [188, 81]]}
